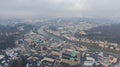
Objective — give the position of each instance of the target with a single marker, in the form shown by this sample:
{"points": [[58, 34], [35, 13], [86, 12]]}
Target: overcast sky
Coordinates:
{"points": [[34, 8]]}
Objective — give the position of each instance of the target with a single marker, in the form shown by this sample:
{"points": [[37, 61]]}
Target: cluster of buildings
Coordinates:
{"points": [[71, 37], [97, 59], [35, 50], [6, 56]]}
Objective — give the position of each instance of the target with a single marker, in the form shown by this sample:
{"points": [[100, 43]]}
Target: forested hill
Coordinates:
{"points": [[110, 33], [8, 34]]}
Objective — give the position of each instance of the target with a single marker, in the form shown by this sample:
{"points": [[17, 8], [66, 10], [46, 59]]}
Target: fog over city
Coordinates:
{"points": [[59, 33], [43, 8]]}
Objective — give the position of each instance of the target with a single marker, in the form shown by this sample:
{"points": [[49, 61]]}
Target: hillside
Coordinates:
{"points": [[110, 33]]}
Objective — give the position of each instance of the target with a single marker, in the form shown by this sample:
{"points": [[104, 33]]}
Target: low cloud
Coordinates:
{"points": [[59, 8]]}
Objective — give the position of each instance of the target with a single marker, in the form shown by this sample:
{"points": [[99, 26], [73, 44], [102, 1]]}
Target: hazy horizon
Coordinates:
{"points": [[59, 8]]}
